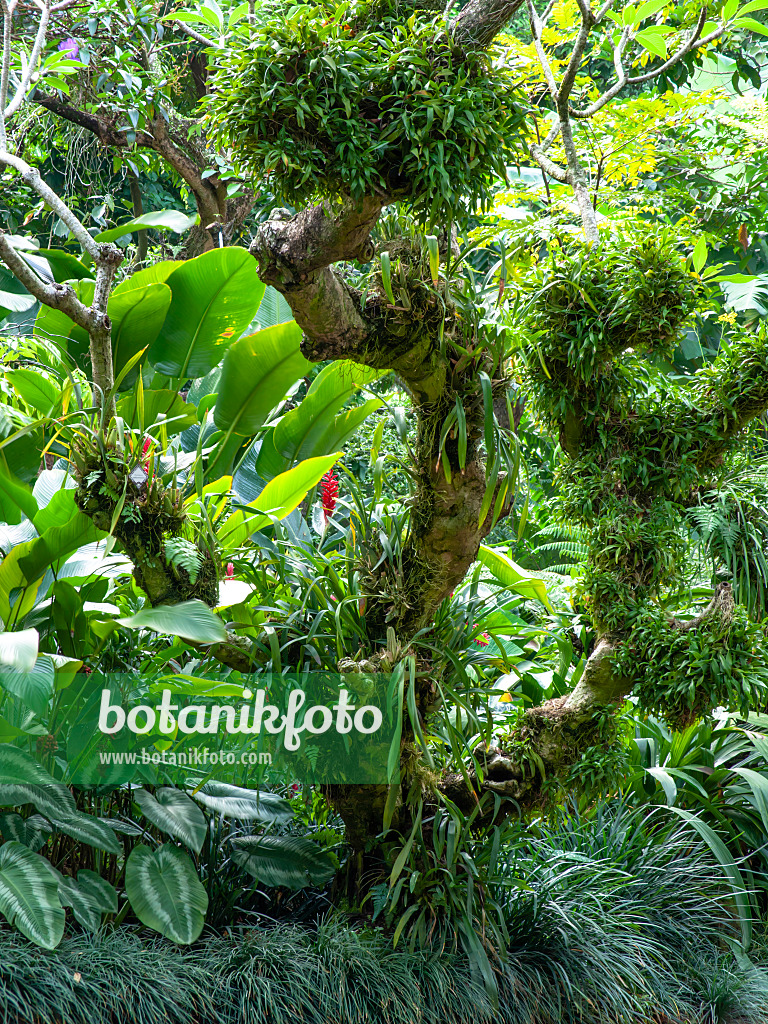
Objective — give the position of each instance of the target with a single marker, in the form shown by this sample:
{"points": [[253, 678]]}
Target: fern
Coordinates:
{"points": [[732, 529], [568, 543], [182, 554]]}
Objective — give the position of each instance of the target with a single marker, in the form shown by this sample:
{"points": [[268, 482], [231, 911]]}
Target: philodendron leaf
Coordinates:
{"points": [[90, 897], [165, 892], [29, 895], [175, 813], [234, 802], [291, 861]]}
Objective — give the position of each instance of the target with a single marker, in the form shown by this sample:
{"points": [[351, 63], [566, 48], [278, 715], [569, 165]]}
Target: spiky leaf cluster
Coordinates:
{"points": [[328, 100]]}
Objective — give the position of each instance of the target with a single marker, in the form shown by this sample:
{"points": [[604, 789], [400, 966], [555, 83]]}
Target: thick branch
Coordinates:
{"points": [[480, 21]]}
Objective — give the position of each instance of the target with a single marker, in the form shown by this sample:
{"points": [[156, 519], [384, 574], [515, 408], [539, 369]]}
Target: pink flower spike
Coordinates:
{"points": [[230, 570]]}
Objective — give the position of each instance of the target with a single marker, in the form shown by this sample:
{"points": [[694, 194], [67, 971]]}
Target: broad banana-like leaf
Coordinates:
{"points": [[137, 316], [215, 297], [39, 392], [29, 897], [192, 620], [277, 500], [15, 498], [513, 576], [290, 861], [19, 649], [165, 892], [256, 374], [170, 404], [308, 430], [160, 220], [175, 813]]}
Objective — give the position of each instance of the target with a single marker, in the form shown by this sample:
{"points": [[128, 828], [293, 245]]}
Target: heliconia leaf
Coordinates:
{"points": [[312, 428], [165, 220], [276, 501], [29, 897], [192, 620], [257, 372], [165, 892], [19, 649], [513, 576], [15, 498], [215, 297]]}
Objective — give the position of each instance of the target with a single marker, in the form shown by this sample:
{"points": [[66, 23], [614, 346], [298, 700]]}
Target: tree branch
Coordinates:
{"points": [[479, 21]]}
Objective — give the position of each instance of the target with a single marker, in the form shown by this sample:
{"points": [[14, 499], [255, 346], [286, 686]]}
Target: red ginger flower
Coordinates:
{"points": [[329, 490], [230, 570]]}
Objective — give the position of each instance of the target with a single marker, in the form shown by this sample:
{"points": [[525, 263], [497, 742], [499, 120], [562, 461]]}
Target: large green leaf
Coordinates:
{"points": [[137, 316], [19, 649], [165, 220], [181, 414], [309, 429], [214, 300], [31, 832], [278, 499], [16, 766], [257, 372], [192, 620], [158, 273], [14, 297], [57, 543], [247, 804], [165, 892], [36, 390], [64, 266], [175, 813], [85, 828], [90, 896], [290, 861], [15, 498], [273, 309], [29, 895], [56, 326], [33, 687], [513, 576]]}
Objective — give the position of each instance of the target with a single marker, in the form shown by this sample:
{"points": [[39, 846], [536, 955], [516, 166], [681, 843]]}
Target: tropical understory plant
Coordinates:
{"points": [[186, 425]]}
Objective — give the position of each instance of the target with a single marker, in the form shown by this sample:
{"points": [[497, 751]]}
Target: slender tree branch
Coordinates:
{"points": [[197, 36], [34, 57], [32, 177], [695, 40], [541, 53]]}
